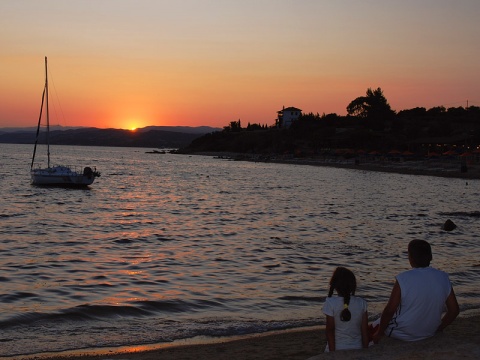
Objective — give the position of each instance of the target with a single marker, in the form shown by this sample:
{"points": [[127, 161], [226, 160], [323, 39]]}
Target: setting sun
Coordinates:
{"points": [[132, 124]]}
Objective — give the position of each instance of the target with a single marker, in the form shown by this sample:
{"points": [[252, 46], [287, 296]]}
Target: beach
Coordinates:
{"points": [[427, 167], [461, 340]]}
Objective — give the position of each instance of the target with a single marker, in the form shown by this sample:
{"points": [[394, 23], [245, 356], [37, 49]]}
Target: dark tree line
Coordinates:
{"points": [[236, 126], [370, 123]]}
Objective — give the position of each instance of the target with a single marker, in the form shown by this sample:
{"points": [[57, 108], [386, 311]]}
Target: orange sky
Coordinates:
{"points": [[126, 63]]}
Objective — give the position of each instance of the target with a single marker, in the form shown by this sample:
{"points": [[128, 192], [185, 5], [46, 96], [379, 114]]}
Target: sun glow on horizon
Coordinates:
{"points": [[132, 124], [213, 64]]}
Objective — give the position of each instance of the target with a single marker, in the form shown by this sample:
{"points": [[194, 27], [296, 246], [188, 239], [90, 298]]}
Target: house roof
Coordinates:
{"points": [[290, 108]]}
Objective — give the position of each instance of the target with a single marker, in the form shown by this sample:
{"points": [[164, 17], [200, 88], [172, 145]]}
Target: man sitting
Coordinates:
{"points": [[418, 299]]}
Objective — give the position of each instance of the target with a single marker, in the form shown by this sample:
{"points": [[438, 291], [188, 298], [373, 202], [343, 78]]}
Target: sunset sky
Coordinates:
{"points": [[134, 63]]}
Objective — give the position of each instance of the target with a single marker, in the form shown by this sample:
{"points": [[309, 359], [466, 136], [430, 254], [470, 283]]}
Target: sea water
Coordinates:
{"points": [[165, 247]]}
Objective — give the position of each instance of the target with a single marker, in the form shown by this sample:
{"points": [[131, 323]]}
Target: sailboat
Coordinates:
{"points": [[56, 175]]}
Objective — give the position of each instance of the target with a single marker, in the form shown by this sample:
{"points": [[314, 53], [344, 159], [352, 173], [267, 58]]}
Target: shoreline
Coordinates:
{"points": [[391, 167], [439, 168], [250, 346], [460, 340]]}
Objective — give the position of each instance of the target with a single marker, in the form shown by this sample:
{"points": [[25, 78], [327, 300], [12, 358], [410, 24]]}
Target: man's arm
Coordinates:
{"points": [[452, 311], [388, 312]]}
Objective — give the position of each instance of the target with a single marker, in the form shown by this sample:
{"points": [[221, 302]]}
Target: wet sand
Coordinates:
{"points": [[461, 340]]}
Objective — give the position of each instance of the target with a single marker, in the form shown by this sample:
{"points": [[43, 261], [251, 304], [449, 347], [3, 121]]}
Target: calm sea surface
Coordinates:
{"points": [[167, 247]]}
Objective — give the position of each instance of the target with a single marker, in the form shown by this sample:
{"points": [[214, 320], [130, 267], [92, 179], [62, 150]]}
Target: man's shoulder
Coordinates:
{"points": [[416, 272]]}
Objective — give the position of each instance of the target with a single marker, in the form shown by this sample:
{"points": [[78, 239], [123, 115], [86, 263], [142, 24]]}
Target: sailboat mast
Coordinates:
{"points": [[48, 115], [38, 128]]}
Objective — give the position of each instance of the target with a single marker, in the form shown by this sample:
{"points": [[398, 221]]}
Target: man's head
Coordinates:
{"points": [[419, 253]]}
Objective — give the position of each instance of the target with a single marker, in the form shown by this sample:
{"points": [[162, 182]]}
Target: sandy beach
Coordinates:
{"points": [[442, 169], [428, 167], [461, 340]]}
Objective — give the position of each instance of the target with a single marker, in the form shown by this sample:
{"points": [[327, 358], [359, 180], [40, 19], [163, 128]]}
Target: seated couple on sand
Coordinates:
{"points": [[414, 311]]}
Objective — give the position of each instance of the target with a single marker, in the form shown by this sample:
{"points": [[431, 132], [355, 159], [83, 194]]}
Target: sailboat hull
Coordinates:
{"points": [[62, 176]]}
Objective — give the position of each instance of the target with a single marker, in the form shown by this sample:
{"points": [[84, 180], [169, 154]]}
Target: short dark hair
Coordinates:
{"points": [[420, 252]]}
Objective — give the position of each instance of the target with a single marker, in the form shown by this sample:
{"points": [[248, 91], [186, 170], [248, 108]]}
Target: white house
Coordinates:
{"points": [[287, 116]]}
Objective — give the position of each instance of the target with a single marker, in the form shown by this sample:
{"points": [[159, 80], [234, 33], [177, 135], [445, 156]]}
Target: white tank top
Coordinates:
{"points": [[424, 292]]}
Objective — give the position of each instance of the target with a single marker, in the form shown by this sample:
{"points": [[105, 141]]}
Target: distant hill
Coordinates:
{"points": [[29, 129], [182, 129], [152, 136]]}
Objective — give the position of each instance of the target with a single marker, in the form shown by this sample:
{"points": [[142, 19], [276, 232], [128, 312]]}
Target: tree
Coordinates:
{"points": [[414, 113], [254, 127], [235, 126], [373, 107], [436, 111]]}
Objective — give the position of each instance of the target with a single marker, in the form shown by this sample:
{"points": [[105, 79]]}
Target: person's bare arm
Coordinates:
{"points": [[452, 311], [330, 330], [388, 312], [365, 330]]}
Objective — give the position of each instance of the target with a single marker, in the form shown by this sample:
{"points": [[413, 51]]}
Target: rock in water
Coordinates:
{"points": [[449, 225]]}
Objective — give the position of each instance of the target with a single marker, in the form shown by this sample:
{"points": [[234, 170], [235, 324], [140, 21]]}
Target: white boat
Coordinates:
{"points": [[56, 175]]}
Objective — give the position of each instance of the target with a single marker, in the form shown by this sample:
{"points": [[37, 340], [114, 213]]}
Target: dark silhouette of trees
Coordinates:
{"points": [[413, 113], [373, 107], [235, 126], [437, 111], [371, 124], [255, 127]]}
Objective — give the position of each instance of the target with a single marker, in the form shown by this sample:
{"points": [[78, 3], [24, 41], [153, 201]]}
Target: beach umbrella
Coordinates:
{"points": [[394, 152], [407, 153], [450, 152]]}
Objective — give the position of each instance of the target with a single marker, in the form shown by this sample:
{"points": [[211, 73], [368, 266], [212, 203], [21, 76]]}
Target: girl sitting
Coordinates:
{"points": [[347, 317]]}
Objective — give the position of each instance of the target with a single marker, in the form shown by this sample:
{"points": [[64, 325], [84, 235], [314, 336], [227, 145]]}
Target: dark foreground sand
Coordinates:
{"points": [[461, 340]]}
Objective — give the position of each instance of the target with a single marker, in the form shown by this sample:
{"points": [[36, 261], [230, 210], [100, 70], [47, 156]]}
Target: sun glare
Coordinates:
{"points": [[132, 125]]}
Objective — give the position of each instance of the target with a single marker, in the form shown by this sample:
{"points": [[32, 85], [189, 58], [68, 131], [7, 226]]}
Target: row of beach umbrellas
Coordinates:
{"points": [[407, 153], [454, 153]]}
